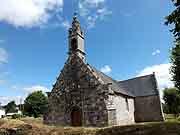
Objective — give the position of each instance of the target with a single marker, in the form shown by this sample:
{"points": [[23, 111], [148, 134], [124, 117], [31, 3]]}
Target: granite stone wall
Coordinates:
{"points": [[121, 110], [148, 109], [77, 87]]}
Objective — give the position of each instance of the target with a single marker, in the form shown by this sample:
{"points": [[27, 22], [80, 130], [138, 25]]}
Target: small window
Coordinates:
{"points": [[74, 44], [127, 104]]}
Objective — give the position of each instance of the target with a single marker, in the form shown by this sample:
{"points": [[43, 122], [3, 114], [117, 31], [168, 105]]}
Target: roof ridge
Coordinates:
{"points": [[103, 73], [138, 77]]}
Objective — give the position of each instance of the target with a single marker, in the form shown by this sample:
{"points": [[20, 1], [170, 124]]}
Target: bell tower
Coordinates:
{"points": [[76, 39]]}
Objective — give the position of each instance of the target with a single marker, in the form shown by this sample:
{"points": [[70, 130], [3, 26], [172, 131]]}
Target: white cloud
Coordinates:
{"points": [[91, 21], [4, 100], [66, 24], [85, 6], [103, 12], [94, 3], [3, 56], [35, 88], [20, 99], [156, 52], [63, 22], [28, 13], [92, 10], [106, 69]]}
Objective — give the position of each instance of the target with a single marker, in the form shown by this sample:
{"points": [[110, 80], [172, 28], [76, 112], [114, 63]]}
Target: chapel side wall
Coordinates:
{"points": [[148, 109], [124, 113]]}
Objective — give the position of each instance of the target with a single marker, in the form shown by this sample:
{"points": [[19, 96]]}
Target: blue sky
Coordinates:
{"points": [[124, 39]]}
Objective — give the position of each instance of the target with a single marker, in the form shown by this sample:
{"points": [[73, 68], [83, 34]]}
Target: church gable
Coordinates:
{"points": [[76, 74], [78, 87]]}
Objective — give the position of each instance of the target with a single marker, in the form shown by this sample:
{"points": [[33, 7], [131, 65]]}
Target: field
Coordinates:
{"points": [[31, 126]]}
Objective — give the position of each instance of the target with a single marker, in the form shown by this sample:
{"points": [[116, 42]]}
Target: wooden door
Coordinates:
{"points": [[76, 118]]}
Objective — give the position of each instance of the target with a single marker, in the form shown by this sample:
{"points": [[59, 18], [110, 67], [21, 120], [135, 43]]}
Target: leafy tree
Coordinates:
{"points": [[35, 104], [165, 108], [172, 100], [175, 68], [11, 107], [174, 20]]}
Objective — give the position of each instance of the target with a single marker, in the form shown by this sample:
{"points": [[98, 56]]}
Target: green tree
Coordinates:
{"points": [[172, 100], [11, 107], [175, 68], [174, 20], [35, 104]]}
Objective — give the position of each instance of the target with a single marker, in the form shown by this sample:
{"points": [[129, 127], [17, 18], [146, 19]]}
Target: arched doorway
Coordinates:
{"points": [[76, 117]]}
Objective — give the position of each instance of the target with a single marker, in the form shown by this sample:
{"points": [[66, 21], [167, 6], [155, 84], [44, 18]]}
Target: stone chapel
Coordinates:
{"points": [[84, 96]]}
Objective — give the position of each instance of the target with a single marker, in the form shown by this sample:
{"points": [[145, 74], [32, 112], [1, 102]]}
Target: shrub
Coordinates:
{"points": [[178, 118], [16, 116]]}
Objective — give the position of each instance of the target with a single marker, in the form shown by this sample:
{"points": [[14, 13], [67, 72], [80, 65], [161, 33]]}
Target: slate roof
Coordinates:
{"points": [[139, 86], [114, 84]]}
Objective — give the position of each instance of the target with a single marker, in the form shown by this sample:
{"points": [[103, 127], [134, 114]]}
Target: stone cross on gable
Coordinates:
{"points": [[75, 14]]}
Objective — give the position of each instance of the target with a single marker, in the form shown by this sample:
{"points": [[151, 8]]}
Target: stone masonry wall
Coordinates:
{"points": [[77, 86], [122, 108], [148, 109]]}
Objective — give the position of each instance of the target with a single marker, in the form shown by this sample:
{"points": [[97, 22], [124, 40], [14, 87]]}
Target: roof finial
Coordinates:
{"points": [[75, 19], [75, 15]]}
